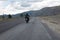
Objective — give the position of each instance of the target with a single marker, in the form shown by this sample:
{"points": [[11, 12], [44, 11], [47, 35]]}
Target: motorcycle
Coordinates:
{"points": [[27, 20]]}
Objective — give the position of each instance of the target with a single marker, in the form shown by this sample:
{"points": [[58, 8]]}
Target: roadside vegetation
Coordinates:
{"points": [[7, 18], [53, 19], [53, 22]]}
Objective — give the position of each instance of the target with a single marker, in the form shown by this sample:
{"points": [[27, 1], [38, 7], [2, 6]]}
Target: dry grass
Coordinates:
{"points": [[53, 22], [7, 20], [53, 19]]}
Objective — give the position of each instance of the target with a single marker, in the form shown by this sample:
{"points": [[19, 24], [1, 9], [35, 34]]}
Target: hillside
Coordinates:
{"points": [[52, 22], [45, 11]]}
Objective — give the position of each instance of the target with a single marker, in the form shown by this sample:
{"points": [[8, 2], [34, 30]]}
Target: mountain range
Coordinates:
{"points": [[47, 11]]}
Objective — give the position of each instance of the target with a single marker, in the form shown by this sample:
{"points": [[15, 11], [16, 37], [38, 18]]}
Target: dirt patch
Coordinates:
{"points": [[53, 22]]}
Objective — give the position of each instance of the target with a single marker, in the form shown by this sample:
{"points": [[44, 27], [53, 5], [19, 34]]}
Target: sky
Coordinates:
{"points": [[19, 6]]}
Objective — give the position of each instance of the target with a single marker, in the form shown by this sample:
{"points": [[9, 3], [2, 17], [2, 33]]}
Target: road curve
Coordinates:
{"points": [[34, 30]]}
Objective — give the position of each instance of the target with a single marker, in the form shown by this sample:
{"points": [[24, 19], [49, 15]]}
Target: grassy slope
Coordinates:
{"points": [[53, 22], [53, 19]]}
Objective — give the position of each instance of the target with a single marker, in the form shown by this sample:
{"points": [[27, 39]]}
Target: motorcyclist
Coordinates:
{"points": [[27, 18]]}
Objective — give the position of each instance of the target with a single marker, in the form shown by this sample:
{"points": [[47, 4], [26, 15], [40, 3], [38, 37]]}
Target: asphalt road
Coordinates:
{"points": [[6, 25], [34, 30]]}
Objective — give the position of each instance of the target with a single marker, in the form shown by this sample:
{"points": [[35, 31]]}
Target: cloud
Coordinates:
{"points": [[14, 8], [29, 0], [3, 0], [25, 5], [19, 6], [1, 7]]}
